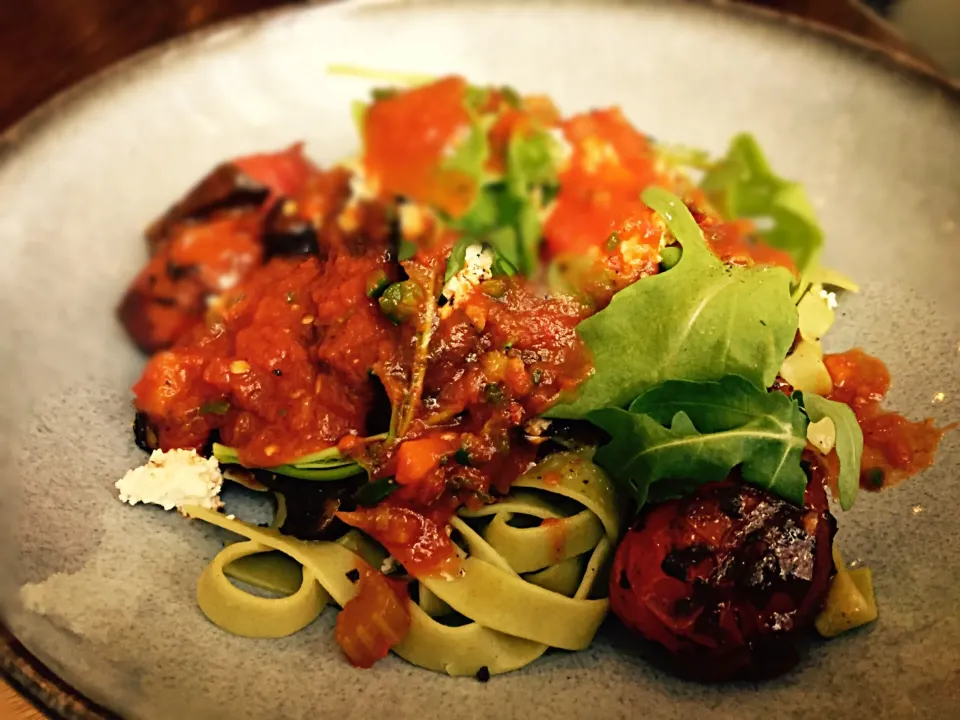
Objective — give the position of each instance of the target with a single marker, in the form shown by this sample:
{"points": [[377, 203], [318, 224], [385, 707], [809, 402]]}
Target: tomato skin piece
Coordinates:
{"points": [[376, 619], [417, 542], [284, 172], [894, 448], [406, 138]]}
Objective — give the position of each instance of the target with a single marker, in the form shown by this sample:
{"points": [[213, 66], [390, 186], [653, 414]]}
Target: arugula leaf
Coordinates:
{"points": [[691, 433], [325, 465], [532, 159], [470, 156], [849, 443], [532, 162], [699, 321], [506, 213], [742, 185]]}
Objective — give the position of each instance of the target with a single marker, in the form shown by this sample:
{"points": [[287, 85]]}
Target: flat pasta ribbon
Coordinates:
{"points": [[523, 589]]}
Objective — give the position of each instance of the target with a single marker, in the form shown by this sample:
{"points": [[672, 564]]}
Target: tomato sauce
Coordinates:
{"points": [[408, 137], [416, 541], [735, 243], [610, 165], [894, 448], [280, 366]]}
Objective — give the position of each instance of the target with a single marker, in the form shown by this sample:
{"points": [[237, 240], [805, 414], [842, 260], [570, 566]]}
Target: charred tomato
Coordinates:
{"points": [[726, 579]]}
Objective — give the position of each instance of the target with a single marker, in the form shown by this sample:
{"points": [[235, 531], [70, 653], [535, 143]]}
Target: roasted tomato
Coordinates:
{"points": [[725, 579], [375, 620]]}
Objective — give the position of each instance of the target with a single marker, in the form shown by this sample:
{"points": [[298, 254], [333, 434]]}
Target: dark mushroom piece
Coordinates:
{"points": [[310, 507], [286, 233], [144, 434]]}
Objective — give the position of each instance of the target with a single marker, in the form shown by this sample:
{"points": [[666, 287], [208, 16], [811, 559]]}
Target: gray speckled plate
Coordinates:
{"points": [[878, 149]]}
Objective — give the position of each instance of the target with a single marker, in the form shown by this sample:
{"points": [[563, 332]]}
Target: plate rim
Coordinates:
{"points": [[19, 668]]}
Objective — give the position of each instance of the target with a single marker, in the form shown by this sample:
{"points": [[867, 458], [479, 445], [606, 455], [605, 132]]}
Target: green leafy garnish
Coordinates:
{"points": [[325, 465], [506, 212], [470, 156], [401, 301], [742, 185], [849, 442], [681, 434], [215, 407], [699, 321]]}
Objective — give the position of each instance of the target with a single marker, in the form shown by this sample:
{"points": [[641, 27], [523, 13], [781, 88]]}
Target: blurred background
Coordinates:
{"points": [[47, 45]]}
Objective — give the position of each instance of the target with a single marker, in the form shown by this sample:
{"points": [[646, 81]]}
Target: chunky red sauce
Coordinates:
{"points": [[280, 364], [894, 448], [610, 165], [408, 136]]}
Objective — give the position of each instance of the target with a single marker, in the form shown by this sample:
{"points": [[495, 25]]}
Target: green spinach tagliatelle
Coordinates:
{"points": [[701, 320]]}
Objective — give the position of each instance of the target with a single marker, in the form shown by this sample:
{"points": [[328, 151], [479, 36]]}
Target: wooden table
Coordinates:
{"points": [[14, 707], [48, 45]]}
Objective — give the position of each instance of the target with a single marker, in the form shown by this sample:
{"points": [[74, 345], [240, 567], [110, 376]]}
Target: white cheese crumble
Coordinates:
{"points": [[413, 221], [388, 565], [174, 479], [536, 426], [477, 267]]}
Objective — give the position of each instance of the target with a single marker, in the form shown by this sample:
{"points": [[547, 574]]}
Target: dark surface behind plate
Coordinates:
{"points": [[874, 148]]}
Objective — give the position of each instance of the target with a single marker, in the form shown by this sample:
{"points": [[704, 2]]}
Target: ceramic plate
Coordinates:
{"points": [[877, 148]]}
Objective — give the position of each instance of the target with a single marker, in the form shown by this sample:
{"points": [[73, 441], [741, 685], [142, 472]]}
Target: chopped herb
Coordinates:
{"points": [[462, 456], [511, 97], [401, 301], [353, 575], [406, 250], [537, 376], [377, 282], [215, 407], [278, 372], [613, 241], [493, 393], [383, 93], [495, 288], [291, 296], [375, 491], [282, 412]]}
